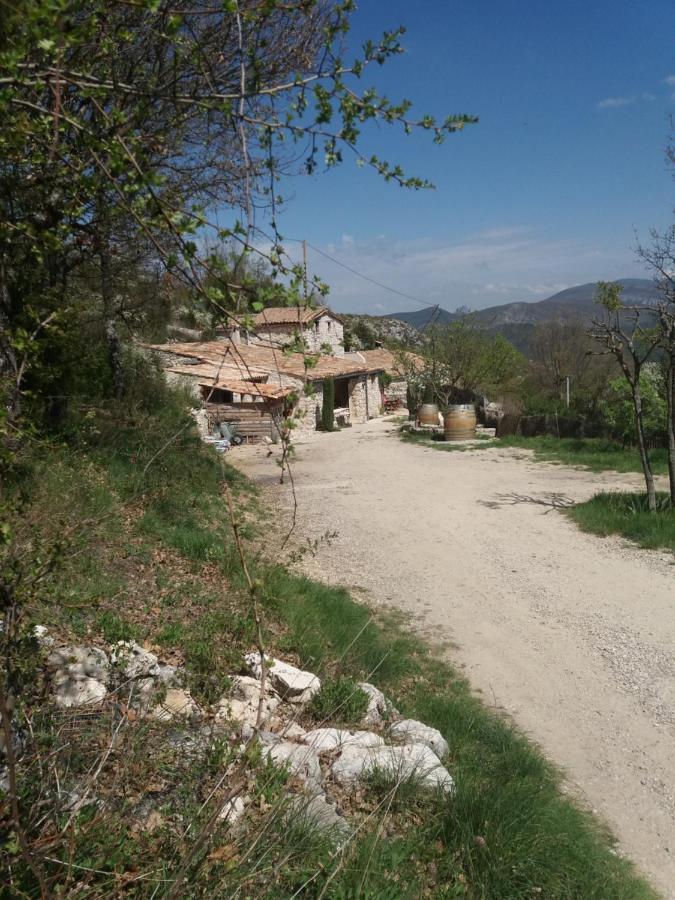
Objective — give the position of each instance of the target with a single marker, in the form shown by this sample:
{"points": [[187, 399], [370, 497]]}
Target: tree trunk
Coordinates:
{"points": [[670, 396], [642, 447]]}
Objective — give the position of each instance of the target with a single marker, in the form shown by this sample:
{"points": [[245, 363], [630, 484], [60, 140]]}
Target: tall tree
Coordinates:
{"points": [[621, 331], [659, 257], [123, 121]]}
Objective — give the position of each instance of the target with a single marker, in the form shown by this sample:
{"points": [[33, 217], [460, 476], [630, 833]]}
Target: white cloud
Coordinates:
{"points": [[670, 80], [498, 265], [615, 102]]}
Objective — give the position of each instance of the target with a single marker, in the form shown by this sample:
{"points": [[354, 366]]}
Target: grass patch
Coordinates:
{"points": [[340, 700], [628, 516], [595, 454], [592, 453]]}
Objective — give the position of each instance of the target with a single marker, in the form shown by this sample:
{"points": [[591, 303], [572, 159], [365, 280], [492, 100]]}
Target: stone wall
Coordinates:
{"points": [[309, 410], [374, 396], [397, 390], [357, 400], [326, 330]]}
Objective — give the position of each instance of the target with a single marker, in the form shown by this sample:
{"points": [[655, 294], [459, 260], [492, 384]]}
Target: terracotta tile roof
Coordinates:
{"points": [[290, 315], [243, 361], [384, 359]]}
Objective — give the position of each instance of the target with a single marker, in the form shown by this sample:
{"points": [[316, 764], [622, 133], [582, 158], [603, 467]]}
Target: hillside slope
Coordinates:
{"points": [[573, 303]]}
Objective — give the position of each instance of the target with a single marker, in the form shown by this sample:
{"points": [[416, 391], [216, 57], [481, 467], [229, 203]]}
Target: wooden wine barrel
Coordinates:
{"points": [[428, 414], [460, 422]]}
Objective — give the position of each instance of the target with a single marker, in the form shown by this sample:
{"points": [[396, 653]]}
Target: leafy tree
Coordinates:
{"points": [[621, 331], [619, 412], [129, 124], [559, 350], [660, 259], [462, 359]]}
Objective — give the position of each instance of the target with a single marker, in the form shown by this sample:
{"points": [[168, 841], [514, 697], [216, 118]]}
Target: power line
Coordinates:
{"points": [[385, 287]]}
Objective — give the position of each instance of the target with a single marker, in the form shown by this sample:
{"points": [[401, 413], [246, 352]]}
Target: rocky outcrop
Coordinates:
{"points": [[319, 761]]}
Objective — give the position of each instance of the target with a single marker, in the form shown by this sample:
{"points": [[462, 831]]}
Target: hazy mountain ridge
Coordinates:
{"points": [[573, 303]]}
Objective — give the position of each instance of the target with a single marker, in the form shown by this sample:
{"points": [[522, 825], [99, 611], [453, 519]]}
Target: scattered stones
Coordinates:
{"points": [[301, 761], [409, 761], [325, 739], [379, 708], [410, 731], [177, 704], [289, 682]]}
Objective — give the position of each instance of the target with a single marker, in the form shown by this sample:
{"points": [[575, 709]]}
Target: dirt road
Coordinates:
{"points": [[573, 635]]}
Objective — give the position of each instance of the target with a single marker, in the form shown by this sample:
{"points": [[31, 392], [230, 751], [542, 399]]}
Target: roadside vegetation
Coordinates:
{"points": [[147, 552], [629, 516], [595, 454]]}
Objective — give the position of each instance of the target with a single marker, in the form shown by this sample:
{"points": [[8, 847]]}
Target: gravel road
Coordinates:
{"points": [[571, 634]]}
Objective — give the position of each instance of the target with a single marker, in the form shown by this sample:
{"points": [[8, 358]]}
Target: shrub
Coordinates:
{"points": [[328, 405]]}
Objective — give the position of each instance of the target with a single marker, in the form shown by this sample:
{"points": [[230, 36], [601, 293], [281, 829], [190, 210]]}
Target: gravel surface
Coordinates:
{"points": [[570, 633]]}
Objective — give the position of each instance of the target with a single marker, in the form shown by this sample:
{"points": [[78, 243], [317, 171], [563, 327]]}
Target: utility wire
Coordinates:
{"points": [[385, 287]]}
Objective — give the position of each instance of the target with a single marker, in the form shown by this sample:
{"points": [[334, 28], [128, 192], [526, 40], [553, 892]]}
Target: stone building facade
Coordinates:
{"points": [[242, 370], [317, 328]]}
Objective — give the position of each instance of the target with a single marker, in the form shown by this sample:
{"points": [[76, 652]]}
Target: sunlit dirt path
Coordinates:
{"points": [[572, 634]]}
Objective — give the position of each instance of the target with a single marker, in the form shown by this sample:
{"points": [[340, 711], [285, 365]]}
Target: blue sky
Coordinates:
{"points": [[547, 191]]}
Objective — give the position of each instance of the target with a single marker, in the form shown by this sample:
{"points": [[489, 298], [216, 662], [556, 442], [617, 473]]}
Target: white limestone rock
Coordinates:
{"points": [[319, 814], [80, 675], [170, 676], [79, 662], [325, 739], [134, 661], [289, 682], [245, 711], [379, 708], [232, 810], [78, 690], [409, 761], [410, 731], [301, 761], [42, 636], [288, 731], [177, 704]]}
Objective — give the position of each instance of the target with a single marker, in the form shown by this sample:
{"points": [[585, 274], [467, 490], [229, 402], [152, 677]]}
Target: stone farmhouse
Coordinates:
{"points": [[320, 329], [256, 385], [384, 360]]}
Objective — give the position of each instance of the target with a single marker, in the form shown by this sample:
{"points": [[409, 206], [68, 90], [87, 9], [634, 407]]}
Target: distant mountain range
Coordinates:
{"points": [[517, 320]]}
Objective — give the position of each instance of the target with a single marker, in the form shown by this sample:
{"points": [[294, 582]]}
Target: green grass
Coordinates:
{"points": [[340, 700], [628, 516], [596, 454], [158, 563]]}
